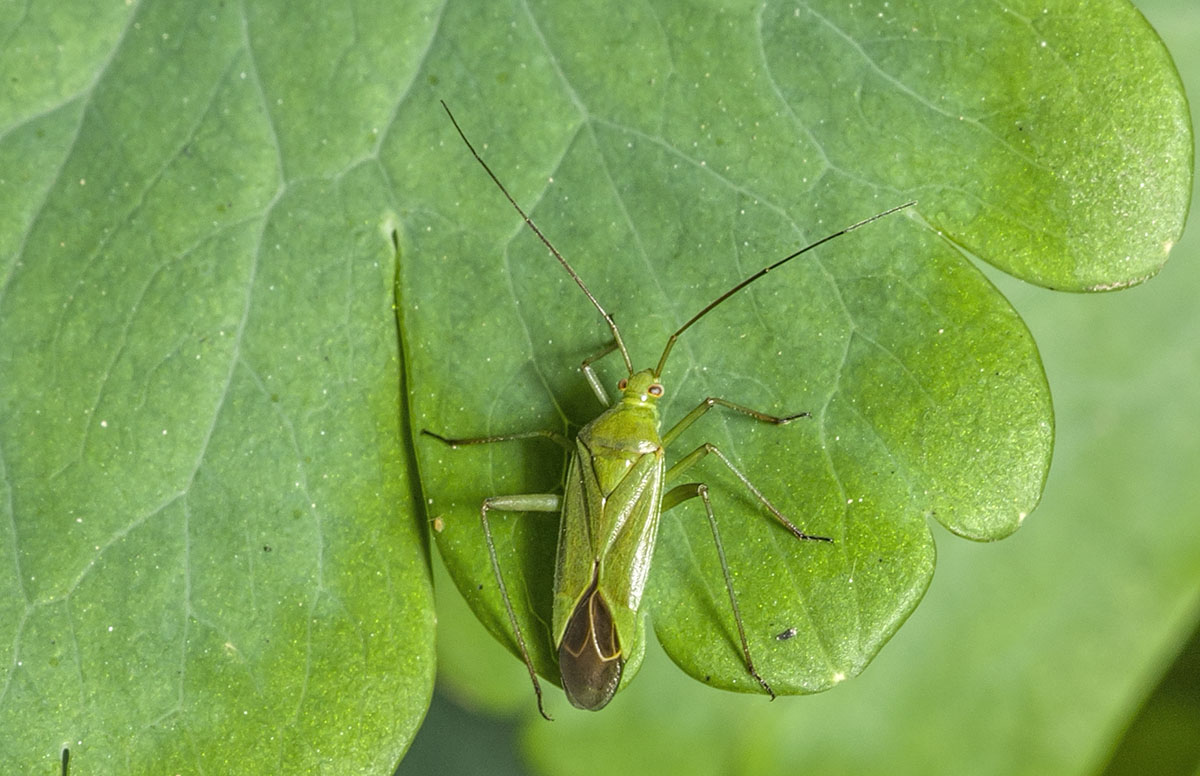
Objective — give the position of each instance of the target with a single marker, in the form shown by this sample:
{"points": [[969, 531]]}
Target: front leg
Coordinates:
{"points": [[589, 372]]}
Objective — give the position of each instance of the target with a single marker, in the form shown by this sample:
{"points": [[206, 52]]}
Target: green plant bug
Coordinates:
{"points": [[617, 486]]}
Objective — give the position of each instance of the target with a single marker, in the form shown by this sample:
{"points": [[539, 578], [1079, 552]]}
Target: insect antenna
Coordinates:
{"points": [[711, 305], [570, 270]]}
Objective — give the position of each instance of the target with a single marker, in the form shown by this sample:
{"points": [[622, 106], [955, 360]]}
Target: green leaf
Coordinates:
{"points": [[1028, 656], [195, 213], [212, 559], [926, 389]]}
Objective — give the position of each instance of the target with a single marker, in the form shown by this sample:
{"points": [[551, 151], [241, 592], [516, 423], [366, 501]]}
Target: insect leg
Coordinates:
{"points": [[529, 502], [700, 452], [590, 373], [678, 495], [553, 436], [713, 401]]}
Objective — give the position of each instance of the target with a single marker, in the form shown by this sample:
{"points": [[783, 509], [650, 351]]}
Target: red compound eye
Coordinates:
{"points": [[621, 385]]}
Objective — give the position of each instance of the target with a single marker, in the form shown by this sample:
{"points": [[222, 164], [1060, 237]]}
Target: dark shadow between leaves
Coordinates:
{"points": [[1164, 735]]}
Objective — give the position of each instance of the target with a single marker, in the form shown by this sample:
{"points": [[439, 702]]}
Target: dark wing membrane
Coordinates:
{"points": [[589, 656]]}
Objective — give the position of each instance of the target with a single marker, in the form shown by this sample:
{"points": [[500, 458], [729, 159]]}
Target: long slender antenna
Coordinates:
{"points": [[570, 270], [709, 307]]}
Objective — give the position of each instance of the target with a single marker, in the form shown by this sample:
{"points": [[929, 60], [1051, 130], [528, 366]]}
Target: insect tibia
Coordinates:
{"points": [[553, 436], [777, 420], [589, 656]]}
